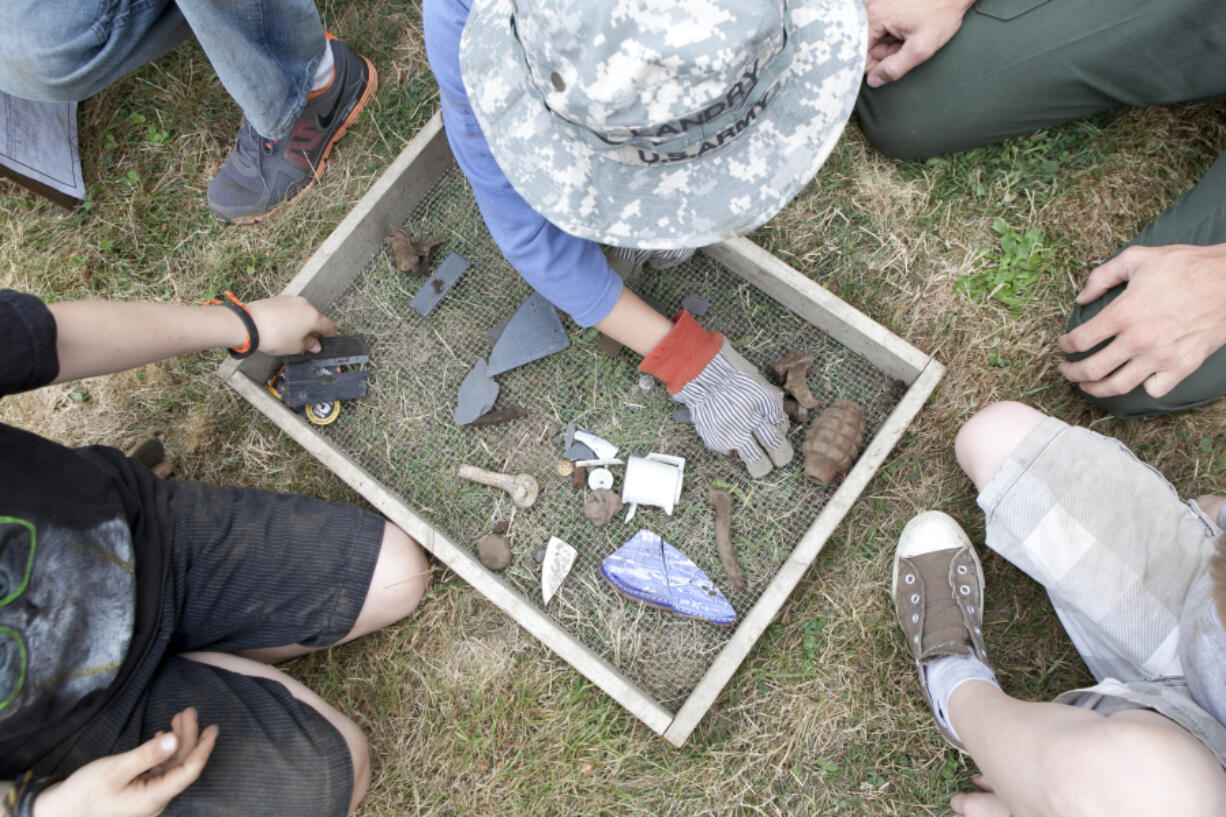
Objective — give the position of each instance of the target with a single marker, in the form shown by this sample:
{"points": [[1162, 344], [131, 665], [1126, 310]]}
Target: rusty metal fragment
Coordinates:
{"points": [[792, 371], [408, 254], [502, 415], [721, 501]]}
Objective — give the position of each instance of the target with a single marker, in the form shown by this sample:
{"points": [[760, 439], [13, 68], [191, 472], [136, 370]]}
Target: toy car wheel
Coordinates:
{"points": [[321, 414]]}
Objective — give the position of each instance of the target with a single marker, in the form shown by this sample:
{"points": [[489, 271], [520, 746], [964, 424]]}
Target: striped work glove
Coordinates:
{"points": [[733, 407]]}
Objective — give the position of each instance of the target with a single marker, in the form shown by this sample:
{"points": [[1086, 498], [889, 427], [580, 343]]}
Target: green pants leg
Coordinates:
{"points": [[1017, 66]]}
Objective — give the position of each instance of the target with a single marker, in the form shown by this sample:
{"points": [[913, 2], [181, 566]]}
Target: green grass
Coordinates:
{"points": [[468, 714]]}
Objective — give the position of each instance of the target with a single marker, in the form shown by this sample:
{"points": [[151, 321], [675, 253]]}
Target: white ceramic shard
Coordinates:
{"points": [[559, 559], [603, 449]]}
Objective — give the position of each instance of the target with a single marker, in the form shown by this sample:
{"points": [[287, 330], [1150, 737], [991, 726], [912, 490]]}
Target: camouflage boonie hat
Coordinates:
{"points": [[661, 124]]}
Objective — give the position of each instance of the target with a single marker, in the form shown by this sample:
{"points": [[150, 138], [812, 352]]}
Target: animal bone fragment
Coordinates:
{"points": [[521, 487], [494, 550], [721, 501], [834, 441], [602, 505], [409, 255], [793, 370]]}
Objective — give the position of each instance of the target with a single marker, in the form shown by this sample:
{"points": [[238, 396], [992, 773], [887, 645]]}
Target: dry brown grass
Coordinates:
{"points": [[466, 713]]}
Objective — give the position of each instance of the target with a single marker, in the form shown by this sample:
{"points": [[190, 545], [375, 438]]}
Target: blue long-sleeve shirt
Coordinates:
{"points": [[571, 272]]}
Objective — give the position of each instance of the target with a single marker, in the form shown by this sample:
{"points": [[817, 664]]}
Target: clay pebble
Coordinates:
{"points": [[494, 550], [600, 506]]}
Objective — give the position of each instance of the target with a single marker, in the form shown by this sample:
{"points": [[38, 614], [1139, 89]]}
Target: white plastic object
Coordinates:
{"points": [[600, 478]]}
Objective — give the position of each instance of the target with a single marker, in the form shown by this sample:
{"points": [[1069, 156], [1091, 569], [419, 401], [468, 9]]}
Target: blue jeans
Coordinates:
{"points": [[264, 51]]}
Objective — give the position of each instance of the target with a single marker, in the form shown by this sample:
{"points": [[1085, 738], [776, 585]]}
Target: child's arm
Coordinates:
{"points": [[99, 337]]}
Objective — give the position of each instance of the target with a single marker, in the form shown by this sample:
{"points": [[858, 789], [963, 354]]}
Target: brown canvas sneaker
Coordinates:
{"points": [[938, 593]]}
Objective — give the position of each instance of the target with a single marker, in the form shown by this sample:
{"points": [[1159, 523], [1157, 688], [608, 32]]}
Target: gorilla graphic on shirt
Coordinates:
{"points": [[67, 609]]}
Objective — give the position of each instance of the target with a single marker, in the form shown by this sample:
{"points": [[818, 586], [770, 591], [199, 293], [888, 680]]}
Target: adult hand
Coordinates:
{"points": [[904, 33], [289, 325], [137, 783], [1160, 328], [733, 407]]}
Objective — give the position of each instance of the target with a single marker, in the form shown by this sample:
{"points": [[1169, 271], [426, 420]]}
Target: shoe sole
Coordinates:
{"points": [[372, 85]]}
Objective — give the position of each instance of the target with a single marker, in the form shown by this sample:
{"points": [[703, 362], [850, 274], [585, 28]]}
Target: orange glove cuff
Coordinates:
{"points": [[683, 354]]}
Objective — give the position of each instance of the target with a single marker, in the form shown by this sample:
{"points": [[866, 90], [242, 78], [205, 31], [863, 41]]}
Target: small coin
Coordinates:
{"points": [[565, 468]]}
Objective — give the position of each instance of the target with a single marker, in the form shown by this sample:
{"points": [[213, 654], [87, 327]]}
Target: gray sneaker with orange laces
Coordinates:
{"points": [[260, 174]]}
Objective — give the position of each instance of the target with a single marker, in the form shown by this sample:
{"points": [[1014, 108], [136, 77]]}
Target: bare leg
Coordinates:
{"points": [[1211, 505], [985, 441], [1051, 759], [359, 750], [399, 581], [1047, 759]]}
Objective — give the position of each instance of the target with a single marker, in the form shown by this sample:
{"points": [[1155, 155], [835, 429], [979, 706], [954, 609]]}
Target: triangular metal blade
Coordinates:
{"points": [[533, 333], [477, 395]]}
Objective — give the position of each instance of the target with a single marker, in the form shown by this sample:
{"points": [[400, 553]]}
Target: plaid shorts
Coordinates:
{"points": [[1119, 554]]}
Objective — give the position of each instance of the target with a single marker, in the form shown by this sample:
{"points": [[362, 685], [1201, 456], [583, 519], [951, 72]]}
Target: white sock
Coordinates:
{"points": [[944, 675], [323, 71]]}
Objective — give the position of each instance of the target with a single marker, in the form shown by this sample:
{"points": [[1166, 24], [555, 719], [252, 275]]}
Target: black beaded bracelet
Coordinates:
{"points": [[239, 308]]}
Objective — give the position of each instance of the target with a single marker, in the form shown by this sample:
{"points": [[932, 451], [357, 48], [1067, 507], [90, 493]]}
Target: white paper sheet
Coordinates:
{"points": [[38, 142]]}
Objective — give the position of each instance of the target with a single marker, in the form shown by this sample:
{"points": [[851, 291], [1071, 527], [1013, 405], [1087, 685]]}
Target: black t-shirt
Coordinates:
{"points": [[81, 561]]}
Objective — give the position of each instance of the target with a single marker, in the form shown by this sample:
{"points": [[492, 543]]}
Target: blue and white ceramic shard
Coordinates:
{"points": [[651, 570]]}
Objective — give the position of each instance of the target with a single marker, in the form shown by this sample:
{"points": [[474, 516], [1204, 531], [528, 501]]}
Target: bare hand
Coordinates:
{"points": [[137, 783], [982, 803], [1161, 327], [904, 33], [289, 325]]}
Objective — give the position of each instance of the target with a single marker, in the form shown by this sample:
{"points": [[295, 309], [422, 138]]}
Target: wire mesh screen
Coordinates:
{"points": [[404, 434]]}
